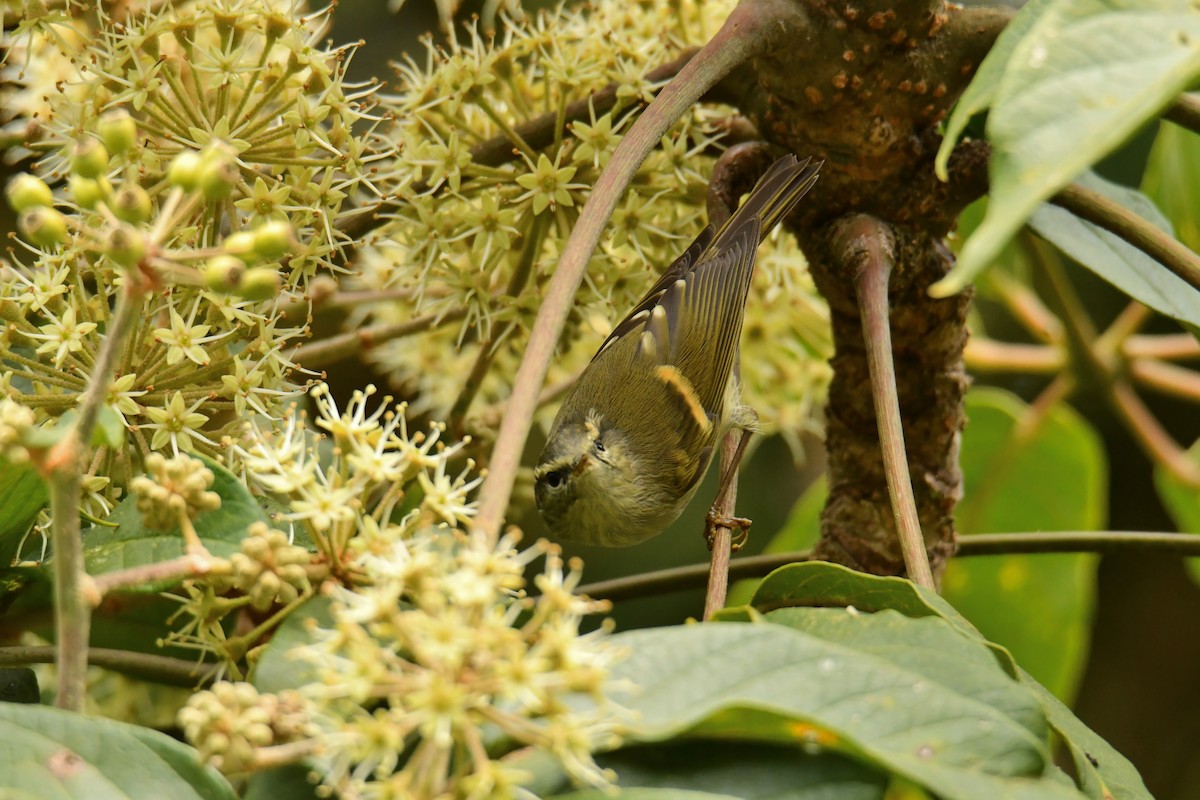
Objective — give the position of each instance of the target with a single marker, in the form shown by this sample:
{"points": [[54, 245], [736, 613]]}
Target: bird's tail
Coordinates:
{"points": [[775, 195]]}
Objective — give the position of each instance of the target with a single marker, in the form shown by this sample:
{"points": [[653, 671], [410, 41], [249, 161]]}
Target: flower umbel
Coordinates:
{"points": [[432, 651]]}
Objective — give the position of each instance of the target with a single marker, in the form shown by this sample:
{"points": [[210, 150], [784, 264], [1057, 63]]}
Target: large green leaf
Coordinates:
{"points": [[1182, 502], [52, 754], [277, 668], [1116, 260], [1086, 75], [819, 583], [1174, 157], [1020, 475], [1104, 774], [22, 495], [910, 642], [750, 771], [132, 544], [769, 682], [981, 92]]}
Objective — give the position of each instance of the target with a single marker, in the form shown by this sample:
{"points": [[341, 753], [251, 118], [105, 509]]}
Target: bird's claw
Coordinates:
{"points": [[741, 526]]}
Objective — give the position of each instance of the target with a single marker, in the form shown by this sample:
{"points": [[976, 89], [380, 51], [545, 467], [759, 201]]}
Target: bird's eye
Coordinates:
{"points": [[599, 446], [556, 478]]}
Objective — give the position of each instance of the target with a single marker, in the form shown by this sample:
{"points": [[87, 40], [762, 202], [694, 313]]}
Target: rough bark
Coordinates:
{"points": [[864, 86]]}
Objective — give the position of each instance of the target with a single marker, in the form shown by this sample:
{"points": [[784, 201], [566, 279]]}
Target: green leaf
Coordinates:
{"points": [[909, 642], [109, 430], [981, 92], [750, 771], [1086, 75], [1022, 473], [22, 495], [819, 583], [55, 755], [768, 682], [1175, 155], [1104, 774], [132, 544], [1182, 502], [800, 532], [1116, 260], [277, 668]]}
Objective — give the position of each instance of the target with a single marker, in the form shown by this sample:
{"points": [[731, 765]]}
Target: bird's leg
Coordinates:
{"points": [[720, 522], [720, 515]]}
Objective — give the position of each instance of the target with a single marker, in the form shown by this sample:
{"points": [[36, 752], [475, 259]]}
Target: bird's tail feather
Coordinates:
{"points": [[775, 195]]}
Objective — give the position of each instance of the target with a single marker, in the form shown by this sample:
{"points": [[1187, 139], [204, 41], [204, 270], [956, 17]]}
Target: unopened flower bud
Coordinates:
{"points": [[117, 130], [43, 226], [126, 245], [27, 192], [184, 171], [131, 203], [89, 193], [260, 283], [272, 239], [218, 172], [89, 158], [240, 244], [224, 273]]}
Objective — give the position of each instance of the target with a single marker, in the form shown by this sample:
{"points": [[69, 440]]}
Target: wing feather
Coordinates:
{"points": [[693, 313]]}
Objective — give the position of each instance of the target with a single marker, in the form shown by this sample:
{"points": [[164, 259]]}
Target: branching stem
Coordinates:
{"points": [[865, 247], [64, 467]]}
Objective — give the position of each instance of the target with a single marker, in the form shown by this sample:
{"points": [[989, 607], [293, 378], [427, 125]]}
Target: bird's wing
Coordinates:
{"points": [[690, 322]]}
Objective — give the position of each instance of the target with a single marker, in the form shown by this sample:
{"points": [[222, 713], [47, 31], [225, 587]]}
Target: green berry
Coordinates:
{"points": [[117, 130], [184, 171], [126, 245], [89, 193], [272, 239], [26, 192], [218, 172], [223, 273], [131, 203], [260, 283], [43, 226], [89, 158], [240, 244]]}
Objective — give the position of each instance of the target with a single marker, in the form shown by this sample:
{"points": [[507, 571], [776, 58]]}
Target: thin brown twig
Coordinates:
{"points": [[1099, 210], [694, 576], [1185, 112], [1166, 378], [721, 541], [1167, 347], [350, 343], [989, 355], [163, 669], [175, 569]]}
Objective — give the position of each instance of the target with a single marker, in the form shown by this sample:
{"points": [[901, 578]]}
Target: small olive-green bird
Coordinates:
{"points": [[637, 431]]}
